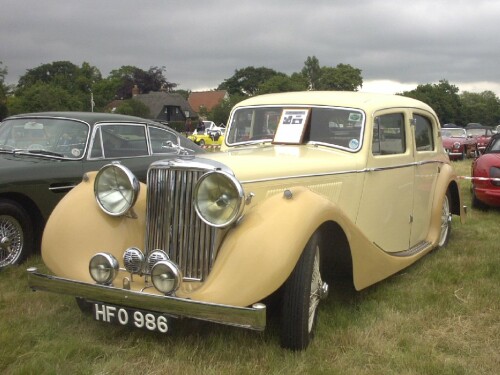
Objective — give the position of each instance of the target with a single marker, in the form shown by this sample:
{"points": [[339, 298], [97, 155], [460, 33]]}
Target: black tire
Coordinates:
{"points": [[444, 235], [201, 142], [301, 295], [16, 234]]}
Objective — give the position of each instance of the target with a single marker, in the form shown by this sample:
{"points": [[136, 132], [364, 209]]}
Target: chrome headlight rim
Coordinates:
{"points": [[103, 262], [239, 194], [131, 190], [158, 272]]}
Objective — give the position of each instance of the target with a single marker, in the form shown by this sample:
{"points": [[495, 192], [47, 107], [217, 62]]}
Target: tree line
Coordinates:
{"points": [[64, 86]]}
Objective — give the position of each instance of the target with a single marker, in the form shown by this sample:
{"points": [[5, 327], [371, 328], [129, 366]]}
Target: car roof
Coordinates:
{"points": [[336, 98], [88, 117]]}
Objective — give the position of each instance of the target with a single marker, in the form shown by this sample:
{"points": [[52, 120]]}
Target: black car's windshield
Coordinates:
{"points": [[337, 127], [44, 136]]}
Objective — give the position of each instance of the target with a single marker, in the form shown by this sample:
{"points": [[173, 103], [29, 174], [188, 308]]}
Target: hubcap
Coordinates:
{"points": [[11, 240]]}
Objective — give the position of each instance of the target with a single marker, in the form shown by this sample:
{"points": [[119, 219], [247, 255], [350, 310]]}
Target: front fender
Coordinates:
{"points": [[259, 254], [78, 228]]}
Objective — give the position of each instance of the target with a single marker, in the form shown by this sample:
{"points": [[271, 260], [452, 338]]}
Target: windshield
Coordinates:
{"points": [[453, 133], [48, 136], [337, 127], [476, 132]]}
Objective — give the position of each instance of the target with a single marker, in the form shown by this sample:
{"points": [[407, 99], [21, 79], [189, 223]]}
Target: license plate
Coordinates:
{"points": [[147, 320]]}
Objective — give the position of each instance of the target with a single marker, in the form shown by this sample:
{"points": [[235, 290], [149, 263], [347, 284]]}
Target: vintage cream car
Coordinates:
{"points": [[311, 184]]}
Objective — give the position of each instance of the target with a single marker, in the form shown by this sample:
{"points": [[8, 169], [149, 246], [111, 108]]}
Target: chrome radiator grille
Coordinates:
{"points": [[172, 224]]}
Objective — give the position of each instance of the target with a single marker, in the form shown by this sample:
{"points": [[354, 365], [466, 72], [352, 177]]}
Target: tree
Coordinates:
{"points": [[220, 113], [343, 77], [45, 97], [246, 81], [133, 108], [481, 107], [442, 97], [312, 72], [4, 89], [130, 76], [283, 83]]}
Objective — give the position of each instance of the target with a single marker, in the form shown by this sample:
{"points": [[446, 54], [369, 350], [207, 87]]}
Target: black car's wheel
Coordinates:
{"points": [[445, 232], [16, 233], [302, 292]]}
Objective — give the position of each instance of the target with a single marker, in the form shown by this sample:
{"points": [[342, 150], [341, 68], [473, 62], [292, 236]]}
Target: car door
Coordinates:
{"points": [[425, 132], [385, 213]]}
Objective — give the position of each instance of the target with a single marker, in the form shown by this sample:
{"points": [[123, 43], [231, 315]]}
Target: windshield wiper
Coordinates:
{"points": [[39, 152]]}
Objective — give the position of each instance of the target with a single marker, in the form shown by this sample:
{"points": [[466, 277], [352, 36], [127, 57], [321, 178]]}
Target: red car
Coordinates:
{"points": [[456, 143], [486, 176], [481, 134]]}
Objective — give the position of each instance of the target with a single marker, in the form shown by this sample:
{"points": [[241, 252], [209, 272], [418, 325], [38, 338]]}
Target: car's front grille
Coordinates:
{"points": [[172, 224]]}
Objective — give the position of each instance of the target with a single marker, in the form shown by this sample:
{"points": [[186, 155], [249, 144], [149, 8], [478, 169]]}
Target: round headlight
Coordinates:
{"points": [[456, 145], [133, 260], [218, 199], [103, 268], [166, 277], [116, 189]]}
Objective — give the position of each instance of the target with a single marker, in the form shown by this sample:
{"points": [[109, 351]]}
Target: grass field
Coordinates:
{"points": [[440, 316]]}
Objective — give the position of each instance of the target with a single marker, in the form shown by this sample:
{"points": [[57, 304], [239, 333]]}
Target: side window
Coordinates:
{"points": [[124, 141], [424, 139], [161, 139], [389, 135]]}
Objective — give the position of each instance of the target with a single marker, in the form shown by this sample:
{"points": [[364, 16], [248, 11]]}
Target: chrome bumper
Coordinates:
{"points": [[246, 317]]}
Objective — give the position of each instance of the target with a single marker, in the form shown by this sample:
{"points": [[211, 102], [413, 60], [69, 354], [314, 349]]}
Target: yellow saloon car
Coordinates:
{"points": [[313, 184]]}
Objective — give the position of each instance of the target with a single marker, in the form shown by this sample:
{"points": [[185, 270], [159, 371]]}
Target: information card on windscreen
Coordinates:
{"points": [[291, 126]]}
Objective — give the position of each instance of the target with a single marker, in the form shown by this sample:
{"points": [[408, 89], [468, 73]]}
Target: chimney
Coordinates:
{"points": [[135, 91]]}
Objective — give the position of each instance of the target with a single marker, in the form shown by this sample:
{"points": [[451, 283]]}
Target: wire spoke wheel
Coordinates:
{"points": [[11, 240], [445, 221], [302, 293]]}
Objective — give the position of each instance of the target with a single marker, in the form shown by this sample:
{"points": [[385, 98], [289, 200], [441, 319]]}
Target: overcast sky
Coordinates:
{"points": [[397, 44]]}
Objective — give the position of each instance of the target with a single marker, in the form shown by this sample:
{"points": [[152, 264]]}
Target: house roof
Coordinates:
{"points": [[206, 99], [156, 101]]}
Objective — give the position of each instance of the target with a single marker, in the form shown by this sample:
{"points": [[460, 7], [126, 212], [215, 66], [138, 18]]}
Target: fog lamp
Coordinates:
{"points": [[166, 276], [133, 260], [154, 257], [218, 199], [116, 189], [103, 268]]}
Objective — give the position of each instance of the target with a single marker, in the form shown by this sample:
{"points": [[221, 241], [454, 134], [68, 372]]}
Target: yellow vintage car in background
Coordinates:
{"points": [[311, 185], [210, 137]]}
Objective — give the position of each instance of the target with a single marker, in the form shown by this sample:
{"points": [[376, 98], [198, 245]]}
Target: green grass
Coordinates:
{"points": [[440, 316]]}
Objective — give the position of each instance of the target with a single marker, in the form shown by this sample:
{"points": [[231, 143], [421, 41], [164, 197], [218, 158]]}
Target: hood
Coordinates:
{"points": [[263, 162]]}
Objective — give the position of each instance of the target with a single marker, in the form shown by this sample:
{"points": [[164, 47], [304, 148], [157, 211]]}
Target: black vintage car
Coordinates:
{"points": [[44, 155]]}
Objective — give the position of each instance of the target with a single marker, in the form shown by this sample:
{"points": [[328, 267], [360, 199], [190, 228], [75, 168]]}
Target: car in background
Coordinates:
{"points": [[485, 173], [481, 134], [456, 143], [44, 155], [289, 204], [210, 138]]}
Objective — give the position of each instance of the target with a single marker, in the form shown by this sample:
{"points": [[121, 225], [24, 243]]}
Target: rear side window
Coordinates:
{"points": [[424, 139], [389, 135]]}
